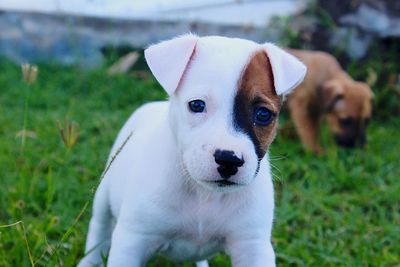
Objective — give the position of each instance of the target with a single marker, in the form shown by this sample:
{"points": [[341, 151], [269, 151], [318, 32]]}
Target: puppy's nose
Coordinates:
{"points": [[228, 162]]}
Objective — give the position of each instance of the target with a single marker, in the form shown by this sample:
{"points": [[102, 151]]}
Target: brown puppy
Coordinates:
{"points": [[328, 90]]}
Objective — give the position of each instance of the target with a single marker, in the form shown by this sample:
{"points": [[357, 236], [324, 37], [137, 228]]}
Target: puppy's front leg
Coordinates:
{"points": [[307, 126], [128, 248], [255, 253]]}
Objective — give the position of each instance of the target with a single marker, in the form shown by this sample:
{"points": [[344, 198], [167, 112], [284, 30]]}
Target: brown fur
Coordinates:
{"points": [[255, 89], [328, 90]]}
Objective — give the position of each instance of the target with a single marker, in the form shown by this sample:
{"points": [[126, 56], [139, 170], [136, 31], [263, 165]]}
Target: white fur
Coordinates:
{"points": [[178, 51], [160, 188], [288, 71]]}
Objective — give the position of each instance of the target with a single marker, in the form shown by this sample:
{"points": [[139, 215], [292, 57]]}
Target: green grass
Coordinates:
{"points": [[341, 209]]}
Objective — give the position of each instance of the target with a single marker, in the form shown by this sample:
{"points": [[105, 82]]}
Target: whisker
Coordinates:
{"points": [[274, 175]]}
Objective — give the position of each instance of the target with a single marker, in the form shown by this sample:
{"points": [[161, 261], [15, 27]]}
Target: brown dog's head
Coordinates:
{"points": [[348, 105]]}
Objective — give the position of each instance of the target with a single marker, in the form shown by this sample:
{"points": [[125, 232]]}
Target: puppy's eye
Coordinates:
{"points": [[263, 116], [197, 106], [346, 122]]}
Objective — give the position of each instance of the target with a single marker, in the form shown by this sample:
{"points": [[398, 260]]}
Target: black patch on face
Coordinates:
{"points": [[256, 95], [242, 120]]}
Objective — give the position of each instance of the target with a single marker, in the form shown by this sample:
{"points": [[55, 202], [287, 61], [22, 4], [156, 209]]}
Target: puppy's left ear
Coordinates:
{"points": [[331, 91], [287, 70], [168, 60]]}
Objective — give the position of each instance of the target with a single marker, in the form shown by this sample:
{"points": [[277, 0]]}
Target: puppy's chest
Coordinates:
{"points": [[198, 234], [193, 241]]}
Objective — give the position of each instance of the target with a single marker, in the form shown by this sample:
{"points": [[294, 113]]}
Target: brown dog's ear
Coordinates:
{"points": [[332, 91]]}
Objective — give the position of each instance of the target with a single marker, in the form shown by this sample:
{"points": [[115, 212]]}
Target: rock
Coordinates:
{"points": [[351, 26], [384, 25]]}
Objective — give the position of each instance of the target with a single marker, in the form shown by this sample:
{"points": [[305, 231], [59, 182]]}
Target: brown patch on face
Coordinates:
{"points": [[351, 115], [256, 90]]}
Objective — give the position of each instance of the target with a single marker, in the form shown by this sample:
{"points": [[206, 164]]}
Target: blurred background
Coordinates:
{"points": [[60, 115], [88, 32]]}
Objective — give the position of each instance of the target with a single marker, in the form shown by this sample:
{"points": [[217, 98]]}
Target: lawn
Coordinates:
{"points": [[340, 209]]}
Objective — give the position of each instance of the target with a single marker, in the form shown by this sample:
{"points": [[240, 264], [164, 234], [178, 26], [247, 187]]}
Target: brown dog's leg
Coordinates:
{"points": [[307, 124]]}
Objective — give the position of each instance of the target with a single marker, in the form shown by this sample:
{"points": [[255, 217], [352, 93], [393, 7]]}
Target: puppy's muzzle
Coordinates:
{"points": [[228, 163], [351, 141]]}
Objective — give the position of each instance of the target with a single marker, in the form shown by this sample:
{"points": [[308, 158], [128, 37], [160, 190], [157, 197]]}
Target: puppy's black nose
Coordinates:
{"points": [[228, 163]]}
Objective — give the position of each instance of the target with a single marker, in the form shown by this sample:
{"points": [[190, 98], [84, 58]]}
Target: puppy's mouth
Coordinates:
{"points": [[223, 183]]}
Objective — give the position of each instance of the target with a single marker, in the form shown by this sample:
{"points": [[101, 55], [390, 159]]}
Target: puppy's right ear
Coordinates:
{"points": [[168, 60], [332, 91], [288, 71]]}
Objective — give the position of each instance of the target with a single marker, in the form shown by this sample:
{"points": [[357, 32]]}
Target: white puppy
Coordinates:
{"points": [[194, 179]]}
